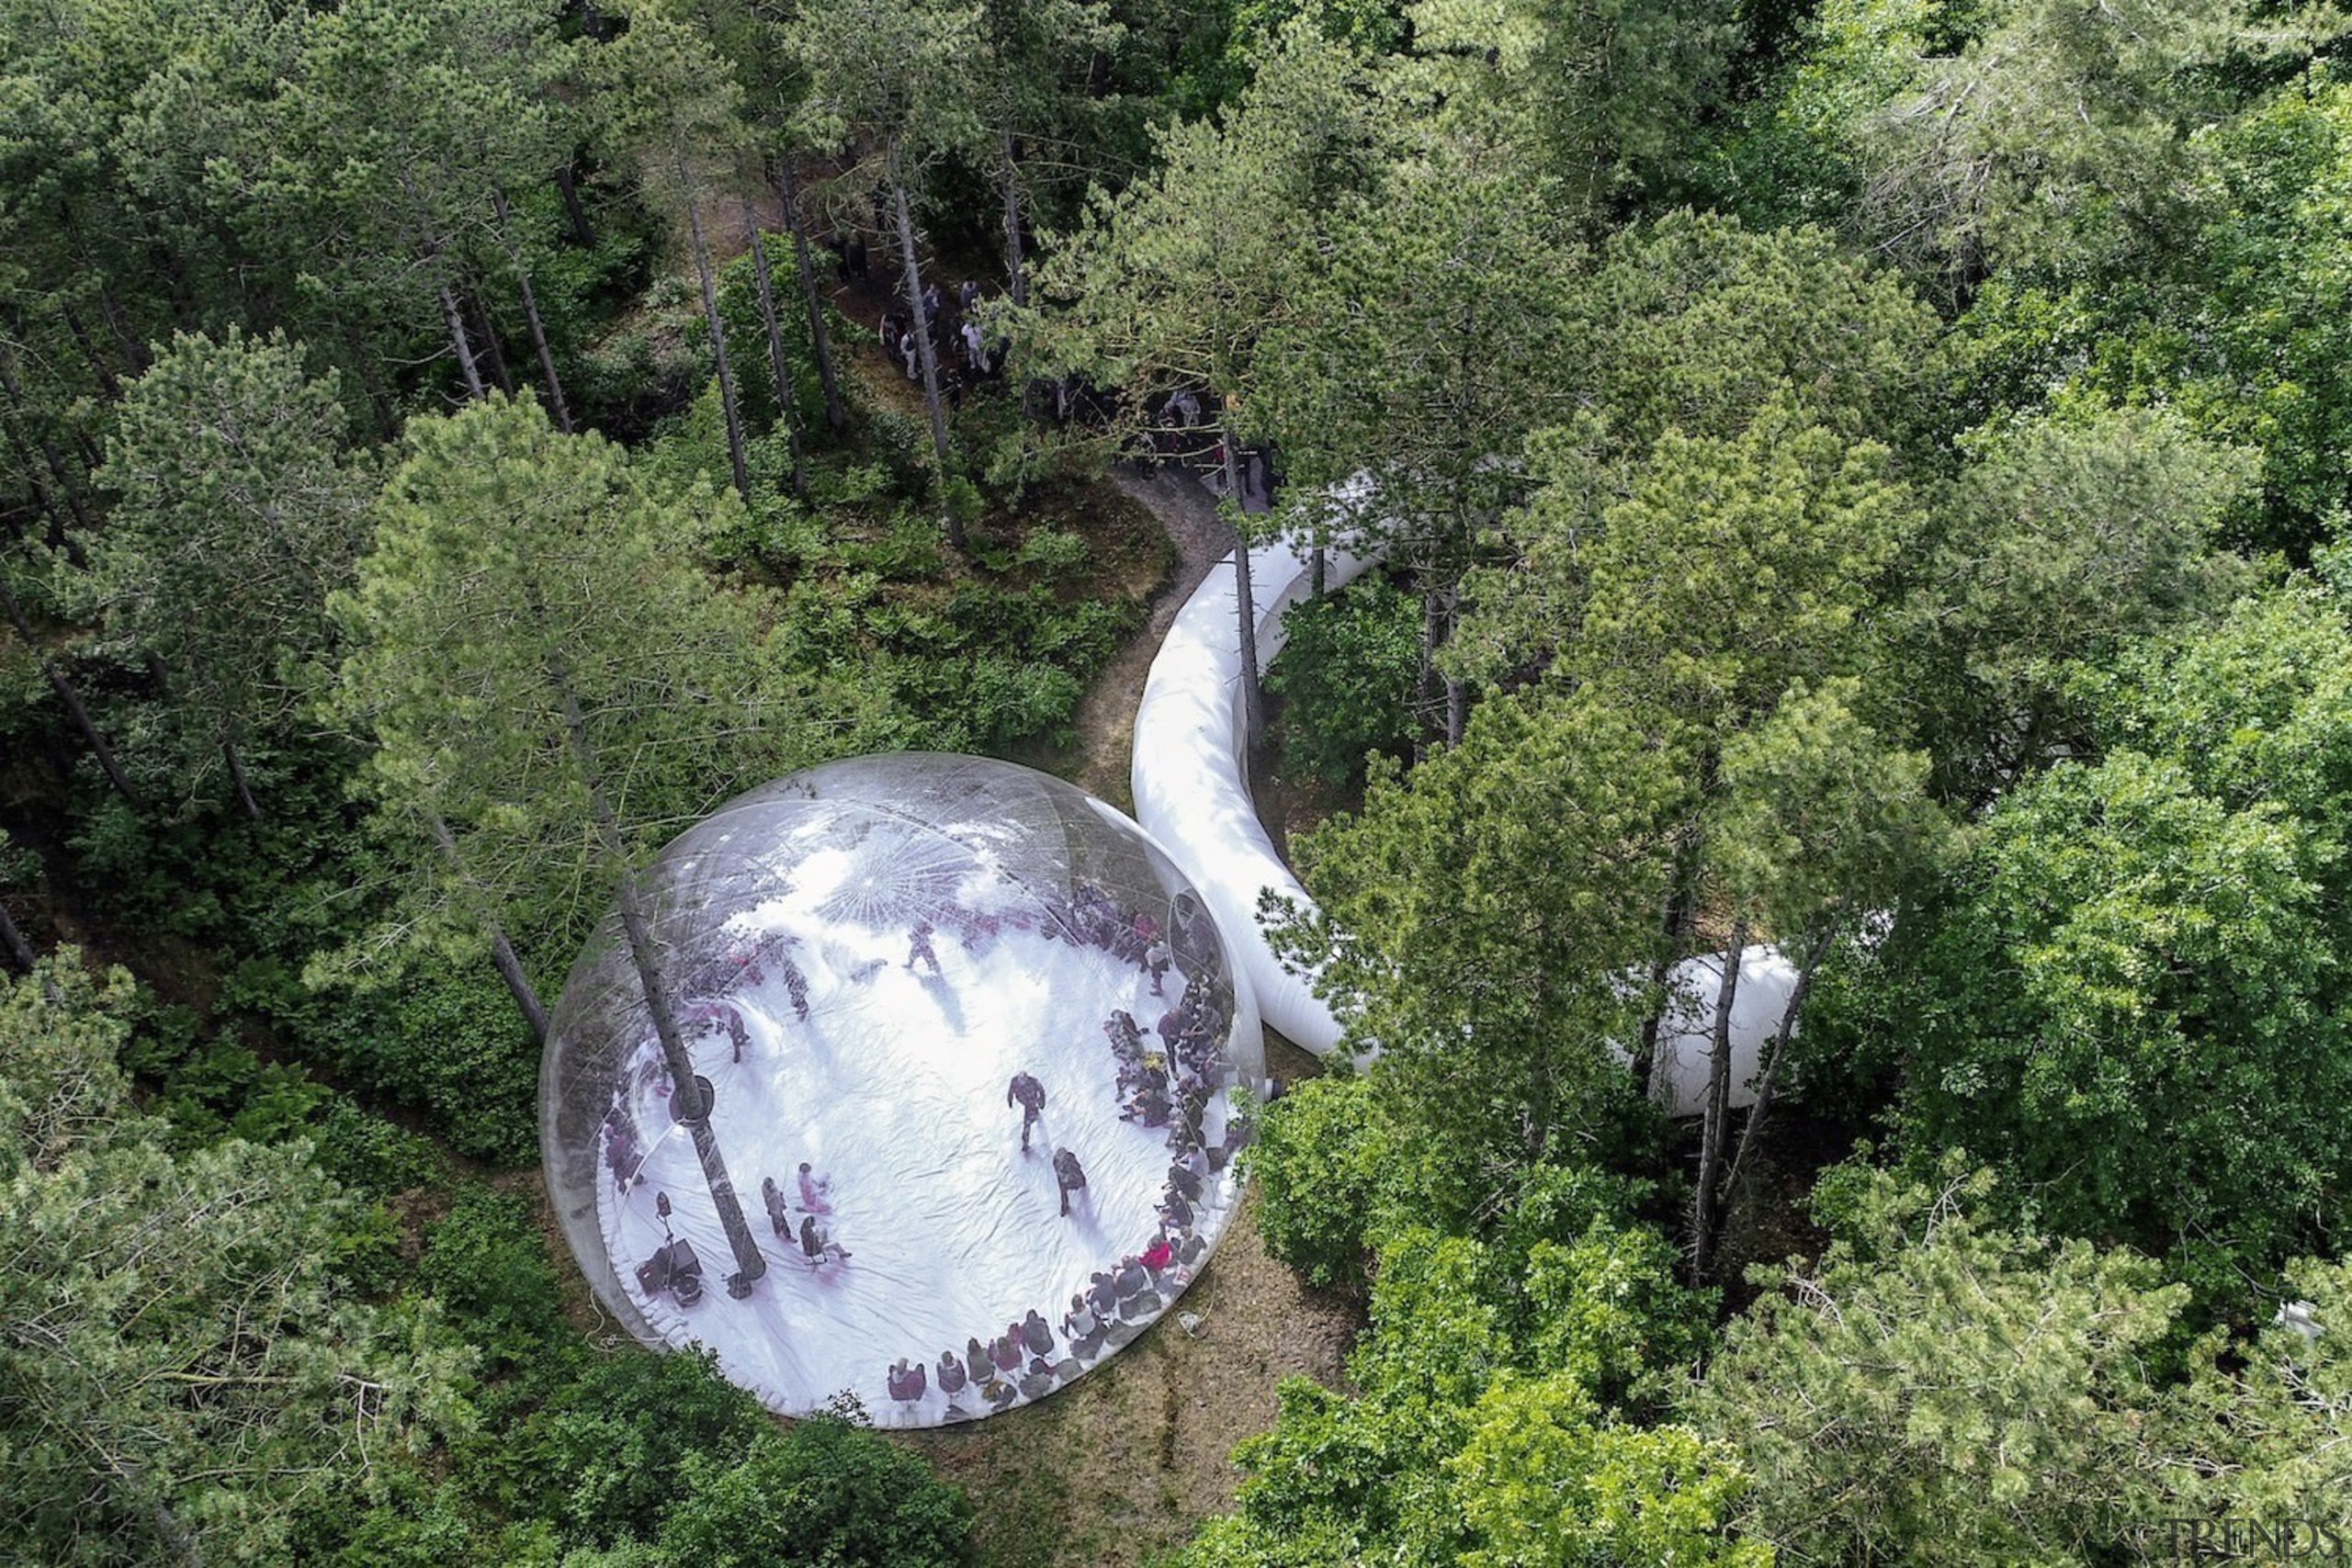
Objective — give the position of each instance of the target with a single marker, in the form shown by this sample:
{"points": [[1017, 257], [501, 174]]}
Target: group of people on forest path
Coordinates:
{"points": [[966, 350], [1185, 426]]}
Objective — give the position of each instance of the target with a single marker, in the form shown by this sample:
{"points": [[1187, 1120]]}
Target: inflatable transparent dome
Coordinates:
{"points": [[946, 1110]]}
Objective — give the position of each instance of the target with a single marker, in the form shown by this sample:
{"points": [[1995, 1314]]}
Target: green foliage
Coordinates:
{"points": [[450, 1044], [530, 740], [610, 1452], [487, 1264], [2124, 995], [979, 658], [739, 311], [2157, 1055], [2271, 1415], [1695, 323], [186, 1372], [1544, 1484], [1614, 89], [1329, 1168], [238, 510], [1935, 1391], [1369, 27], [375, 1161], [1465, 931], [1820, 821], [1052, 551], [1185, 275], [2067, 536], [2226, 312], [1346, 677], [1730, 567], [825, 1494], [1488, 1374], [2030, 134], [221, 1088]]}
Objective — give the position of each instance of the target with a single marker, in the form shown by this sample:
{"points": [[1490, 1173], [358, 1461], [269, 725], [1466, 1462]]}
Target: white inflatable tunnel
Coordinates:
{"points": [[1191, 782]]}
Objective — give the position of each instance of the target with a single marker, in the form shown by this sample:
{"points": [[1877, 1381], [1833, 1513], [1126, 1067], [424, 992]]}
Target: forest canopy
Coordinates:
{"points": [[1859, 477]]}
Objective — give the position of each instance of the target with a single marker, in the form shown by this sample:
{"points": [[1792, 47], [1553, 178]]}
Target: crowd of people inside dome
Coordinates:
{"points": [[1029, 1359], [1166, 1074]]}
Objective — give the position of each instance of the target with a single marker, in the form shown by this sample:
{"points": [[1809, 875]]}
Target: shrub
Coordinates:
{"points": [[487, 1267], [373, 1157], [827, 1495], [1328, 1168], [1052, 551], [608, 1455], [453, 1044]]}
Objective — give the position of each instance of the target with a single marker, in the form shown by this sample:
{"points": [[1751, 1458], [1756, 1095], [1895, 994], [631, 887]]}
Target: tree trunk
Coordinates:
{"points": [[492, 350], [820, 340], [366, 369], [1682, 911], [57, 531], [456, 324], [1427, 690], [519, 984], [910, 277], [68, 696], [1016, 277], [1245, 602], [688, 1103], [556, 405], [581, 235], [1703, 1217], [1317, 571], [785, 401], [107, 383], [502, 951], [1457, 710], [1819, 951], [237, 777], [14, 941], [129, 343], [727, 403]]}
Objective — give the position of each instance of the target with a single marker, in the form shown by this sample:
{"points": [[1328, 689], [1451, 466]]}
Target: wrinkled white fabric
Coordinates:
{"points": [[1190, 773]]}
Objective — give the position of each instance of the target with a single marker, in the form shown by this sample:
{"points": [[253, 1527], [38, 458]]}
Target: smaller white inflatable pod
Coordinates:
{"points": [[1189, 777]]}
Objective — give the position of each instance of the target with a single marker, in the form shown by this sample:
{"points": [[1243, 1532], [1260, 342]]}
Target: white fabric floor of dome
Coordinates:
{"points": [[893, 1090]]}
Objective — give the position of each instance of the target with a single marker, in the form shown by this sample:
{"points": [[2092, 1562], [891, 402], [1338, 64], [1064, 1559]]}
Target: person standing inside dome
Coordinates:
{"points": [[919, 947], [814, 1189], [1068, 1176], [1030, 1095]]}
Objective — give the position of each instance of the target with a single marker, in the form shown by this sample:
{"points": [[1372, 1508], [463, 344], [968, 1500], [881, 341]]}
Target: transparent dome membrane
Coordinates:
{"points": [[862, 960]]}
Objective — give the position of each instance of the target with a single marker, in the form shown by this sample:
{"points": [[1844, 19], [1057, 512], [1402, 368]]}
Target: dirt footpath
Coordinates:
{"points": [[1105, 720]]}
